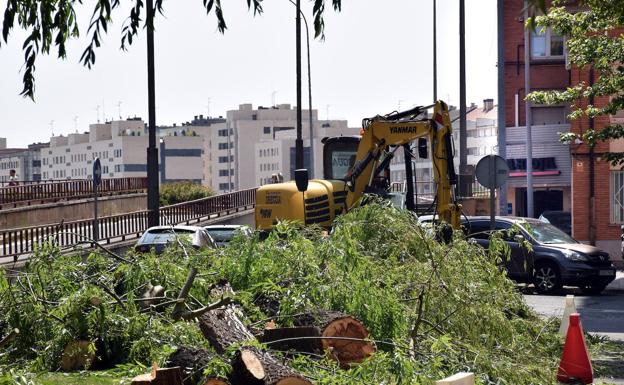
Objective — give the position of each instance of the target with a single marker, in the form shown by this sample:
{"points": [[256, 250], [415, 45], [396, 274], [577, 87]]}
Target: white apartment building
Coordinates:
{"points": [[261, 142], [25, 161], [122, 148]]}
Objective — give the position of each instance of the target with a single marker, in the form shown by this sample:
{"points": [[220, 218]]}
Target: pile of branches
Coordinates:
{"points": [[377, 301]]}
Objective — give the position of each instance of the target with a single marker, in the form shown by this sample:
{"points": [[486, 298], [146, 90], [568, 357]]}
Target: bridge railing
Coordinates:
{"points": [[112, 228], [67, 189]]}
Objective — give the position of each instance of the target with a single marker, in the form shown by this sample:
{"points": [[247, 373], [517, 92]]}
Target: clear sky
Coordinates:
{"points": [[377, 56]]}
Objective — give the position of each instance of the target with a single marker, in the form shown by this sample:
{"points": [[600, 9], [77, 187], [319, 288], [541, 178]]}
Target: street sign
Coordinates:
{"points": [[97, 172], [492, 171]]}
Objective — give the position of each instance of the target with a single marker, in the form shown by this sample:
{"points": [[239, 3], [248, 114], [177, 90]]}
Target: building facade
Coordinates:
{"points": [[258, 143], [23, 163], [552, 181], [121, 147]]}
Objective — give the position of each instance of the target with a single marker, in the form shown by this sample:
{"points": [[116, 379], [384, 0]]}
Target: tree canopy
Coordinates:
{"points": [[594, 40], [49, 24]]}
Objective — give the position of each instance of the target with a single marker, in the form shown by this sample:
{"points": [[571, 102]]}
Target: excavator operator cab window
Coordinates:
{"points": [[339, 155]]}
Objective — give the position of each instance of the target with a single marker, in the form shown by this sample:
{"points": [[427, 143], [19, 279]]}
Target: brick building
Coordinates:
{"points": [[551, 159], [598, 187]]}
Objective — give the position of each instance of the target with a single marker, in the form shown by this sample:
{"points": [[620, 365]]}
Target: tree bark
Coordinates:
{"points": [[338, 325], [192, 363], [289, 339], [222, 328], [252, 366], [162, 376]]}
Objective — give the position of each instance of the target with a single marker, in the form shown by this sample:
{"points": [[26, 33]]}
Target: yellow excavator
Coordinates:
{"points": [[354, 165]]}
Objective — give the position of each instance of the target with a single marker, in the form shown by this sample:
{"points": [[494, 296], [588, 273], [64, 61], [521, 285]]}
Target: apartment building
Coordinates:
{"points": [[260, 142], [25, 162], [552, 165], [211, 130], [121, 146]]}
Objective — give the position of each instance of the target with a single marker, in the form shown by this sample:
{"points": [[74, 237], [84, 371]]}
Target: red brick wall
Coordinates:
{"points": [[581, 175], [545, 74]]}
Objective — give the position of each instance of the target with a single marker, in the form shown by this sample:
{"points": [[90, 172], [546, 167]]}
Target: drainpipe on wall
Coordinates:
{"points": [[592, 190]]}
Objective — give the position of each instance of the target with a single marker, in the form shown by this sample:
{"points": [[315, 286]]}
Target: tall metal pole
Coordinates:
{"points": [[527, 112], [298, 141], [463, 153], [502, 121], [152, 152], [305, 21], [435, 53]]}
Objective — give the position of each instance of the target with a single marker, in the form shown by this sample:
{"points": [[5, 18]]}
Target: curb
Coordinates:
{"points": [[618, 282]]}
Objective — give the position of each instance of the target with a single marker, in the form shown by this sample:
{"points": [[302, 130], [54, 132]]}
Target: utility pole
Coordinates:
{"points": [[527, 113], [153, 215], [502, 122], [435, 53], [463, 153], [298, 141]]}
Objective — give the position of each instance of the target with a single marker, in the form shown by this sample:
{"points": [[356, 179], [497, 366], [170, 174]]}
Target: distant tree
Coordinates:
{"points": [[594, 40], [178, 192], [51, 23]]}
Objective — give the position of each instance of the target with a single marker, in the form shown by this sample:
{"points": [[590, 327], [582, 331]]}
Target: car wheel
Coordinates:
{"points": [[593, 289], [546, 278]]}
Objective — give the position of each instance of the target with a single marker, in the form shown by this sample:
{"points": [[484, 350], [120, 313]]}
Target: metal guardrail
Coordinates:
{"points": [[67, 189], [18, 241]]}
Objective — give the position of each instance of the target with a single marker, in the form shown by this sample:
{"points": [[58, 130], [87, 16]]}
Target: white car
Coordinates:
{"points": [[223, 234], [159, 237]]}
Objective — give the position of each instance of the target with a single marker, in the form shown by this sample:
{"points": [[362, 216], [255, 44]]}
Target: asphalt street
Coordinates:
{"points": [[600, 314]]}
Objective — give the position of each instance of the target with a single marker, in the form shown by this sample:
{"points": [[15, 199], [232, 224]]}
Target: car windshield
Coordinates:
{"points": [[546, 233], [222, 235], [166, 236]]}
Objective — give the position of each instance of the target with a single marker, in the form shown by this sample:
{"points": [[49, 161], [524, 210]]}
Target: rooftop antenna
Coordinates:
{"points": [[52, 126], [97, 111], [327, 111], [208, 108], [103, 111], [119, 109], [76, 123], [273, 94]]}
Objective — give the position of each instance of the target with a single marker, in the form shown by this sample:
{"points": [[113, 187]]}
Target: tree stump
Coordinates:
{"points": [[339, 325]]}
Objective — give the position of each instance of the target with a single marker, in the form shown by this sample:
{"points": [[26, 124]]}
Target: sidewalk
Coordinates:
{"points": [[618, 282]]}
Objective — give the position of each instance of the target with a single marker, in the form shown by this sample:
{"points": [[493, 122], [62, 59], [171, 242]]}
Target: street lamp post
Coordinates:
{"points": [[305, 22], [298, 141], [153, 216]]}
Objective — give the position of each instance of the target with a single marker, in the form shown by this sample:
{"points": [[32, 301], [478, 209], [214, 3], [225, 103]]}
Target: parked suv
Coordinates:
{"points": [[556, 259]]}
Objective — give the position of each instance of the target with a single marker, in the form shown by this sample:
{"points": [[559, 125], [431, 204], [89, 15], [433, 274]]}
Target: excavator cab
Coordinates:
{"points": [[339, 155]]}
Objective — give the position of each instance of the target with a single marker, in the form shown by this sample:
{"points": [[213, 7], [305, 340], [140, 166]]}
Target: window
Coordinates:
{"points": [[223, 172], [616, 200], [223, 146], [267, 130], [224, 186], [545, 115], [223, 132], [545, 43]]}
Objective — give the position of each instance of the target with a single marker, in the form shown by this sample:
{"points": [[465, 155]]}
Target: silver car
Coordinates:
{"points": [[159, 237]]}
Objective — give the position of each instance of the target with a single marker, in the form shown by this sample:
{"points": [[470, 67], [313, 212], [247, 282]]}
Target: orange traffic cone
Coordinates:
{"points": [[575, 365]]}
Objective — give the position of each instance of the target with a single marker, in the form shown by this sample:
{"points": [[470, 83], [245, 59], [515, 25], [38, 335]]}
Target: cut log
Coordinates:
{"points": [[162, 376], [222, 328], [289, 339], [338, 325], [252, 366], [192, 362]]}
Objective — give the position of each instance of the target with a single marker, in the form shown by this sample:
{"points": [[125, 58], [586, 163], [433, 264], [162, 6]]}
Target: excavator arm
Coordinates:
{"points": [[382, 133]]}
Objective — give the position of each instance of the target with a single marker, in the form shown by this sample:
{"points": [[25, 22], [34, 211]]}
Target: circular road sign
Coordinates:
{"points": [[97, 172], [492, 171]]}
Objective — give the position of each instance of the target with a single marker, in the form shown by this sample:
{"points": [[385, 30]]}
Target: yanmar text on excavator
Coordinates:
{"points": [[354, 165]]}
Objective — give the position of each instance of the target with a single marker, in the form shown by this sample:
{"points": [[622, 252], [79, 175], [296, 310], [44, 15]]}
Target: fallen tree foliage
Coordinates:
{"points": [[429, 309]]}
